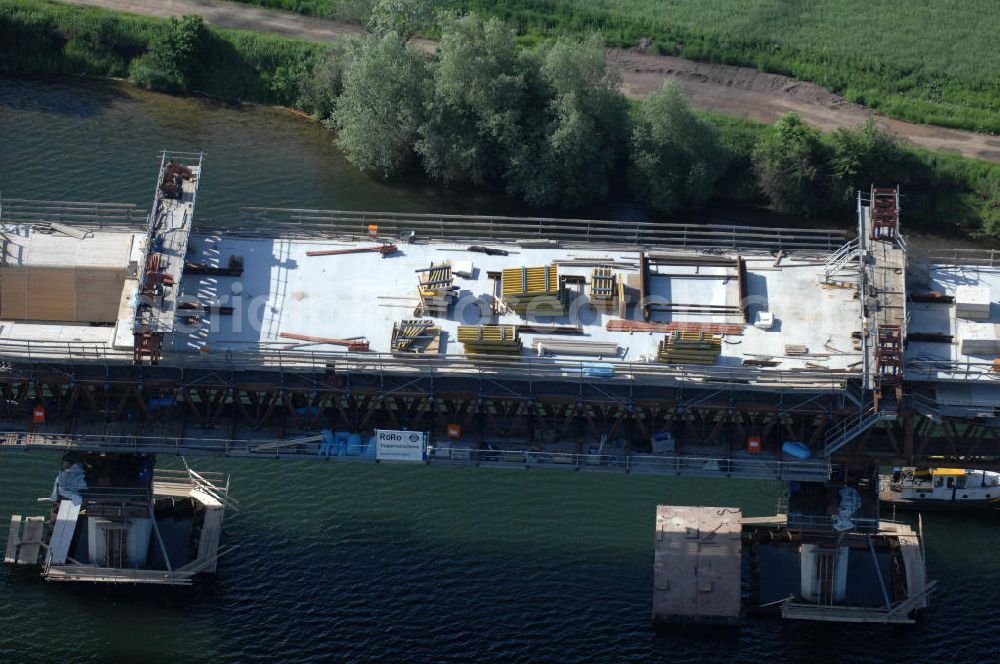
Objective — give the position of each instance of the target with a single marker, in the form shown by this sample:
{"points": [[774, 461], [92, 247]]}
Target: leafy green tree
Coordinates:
{"points": [[864, 156], [474, 111], [173, 55], [576, 124], [789, 163], [404, 17], [676, 156], [381, 107], [319, 88]]}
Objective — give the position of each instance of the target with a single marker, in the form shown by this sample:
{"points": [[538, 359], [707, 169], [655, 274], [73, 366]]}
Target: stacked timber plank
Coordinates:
{"points": [[534, 288], [435, 286], [689, 348], [603, 288], [415, 336], [490, 339], [24, 539]]}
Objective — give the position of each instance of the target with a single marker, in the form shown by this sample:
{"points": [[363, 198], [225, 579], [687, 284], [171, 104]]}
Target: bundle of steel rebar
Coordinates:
{"points": [[354, 343]]}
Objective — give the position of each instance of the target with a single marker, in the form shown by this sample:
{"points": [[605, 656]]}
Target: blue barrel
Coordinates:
{"points": [[797, 450]]}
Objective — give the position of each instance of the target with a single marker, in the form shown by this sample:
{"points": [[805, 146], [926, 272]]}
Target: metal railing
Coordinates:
{"points": [[955, 256], [525, 368], [701, 466], [639, 464], [80, 214], [295, 222], [950, 370], [848, 429], [797, 520], [838, 259]]}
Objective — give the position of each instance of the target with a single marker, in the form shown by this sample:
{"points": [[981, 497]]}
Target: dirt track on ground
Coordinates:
{"points": [[720, 88]]}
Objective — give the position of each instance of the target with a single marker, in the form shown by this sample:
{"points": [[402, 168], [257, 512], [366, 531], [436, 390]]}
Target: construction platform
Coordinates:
{"points": [[283, 294], [696, 564]]}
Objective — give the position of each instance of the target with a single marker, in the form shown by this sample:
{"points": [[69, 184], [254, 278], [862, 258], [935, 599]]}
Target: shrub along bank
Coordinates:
{"points": [[46, 38]]}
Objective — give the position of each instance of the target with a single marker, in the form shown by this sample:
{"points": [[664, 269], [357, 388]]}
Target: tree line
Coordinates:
{"points": [[549, 125]]}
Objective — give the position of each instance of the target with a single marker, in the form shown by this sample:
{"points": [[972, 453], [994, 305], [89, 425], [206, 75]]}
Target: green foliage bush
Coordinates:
{"points": [[39, 37], [862, 156], [404, 17], [677, 157], [790, 165], [173, 55], [547, 124], [474, 114], [378, 115], [576, 126]]}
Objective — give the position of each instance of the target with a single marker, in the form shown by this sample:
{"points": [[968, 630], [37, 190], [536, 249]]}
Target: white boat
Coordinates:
{"points": [[941, 488]]}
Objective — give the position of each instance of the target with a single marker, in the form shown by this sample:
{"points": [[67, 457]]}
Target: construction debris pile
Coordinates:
{"points": [[172, 184], [436, 289], [415, 336]]}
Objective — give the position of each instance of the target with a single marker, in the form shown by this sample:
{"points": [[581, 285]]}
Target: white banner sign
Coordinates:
{"points": [[407, 446]]}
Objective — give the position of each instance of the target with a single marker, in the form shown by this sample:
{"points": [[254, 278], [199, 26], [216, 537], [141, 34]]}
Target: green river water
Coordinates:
{"points": [[357, 562]]}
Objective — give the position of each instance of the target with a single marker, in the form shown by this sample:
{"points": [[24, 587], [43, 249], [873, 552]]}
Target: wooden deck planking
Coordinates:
{"points": [[173, 489], [916, 571], [208, 543], [696, 568], [13, 539], [844, 614], [112, 575], [31, 541], [62, 532]]}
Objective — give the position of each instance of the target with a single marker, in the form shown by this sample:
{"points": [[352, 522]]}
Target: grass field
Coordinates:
{"points": [[929, 61]]}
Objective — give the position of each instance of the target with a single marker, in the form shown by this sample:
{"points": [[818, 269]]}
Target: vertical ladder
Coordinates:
{"points": [[884, 213]]}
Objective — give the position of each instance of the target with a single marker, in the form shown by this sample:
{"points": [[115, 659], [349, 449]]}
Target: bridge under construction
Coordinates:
{"points": [[633, 347], [521, 342]]}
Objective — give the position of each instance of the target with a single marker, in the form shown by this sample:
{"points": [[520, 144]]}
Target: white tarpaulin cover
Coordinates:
{"points": [[69, 483]]}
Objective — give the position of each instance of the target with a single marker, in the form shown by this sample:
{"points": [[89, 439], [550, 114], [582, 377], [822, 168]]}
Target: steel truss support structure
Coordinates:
{"points": [[219, 410], [162, 401]]}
